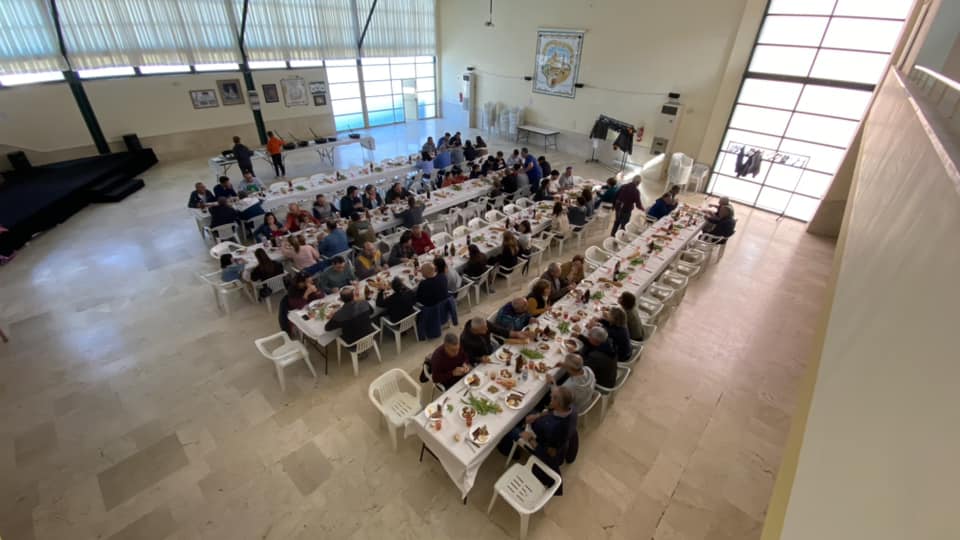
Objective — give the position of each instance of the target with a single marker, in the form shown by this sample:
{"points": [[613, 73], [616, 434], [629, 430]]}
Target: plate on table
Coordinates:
{"points": [[544, 347], [541, 367], [504, 355], [479, 435], [571, 345], [467, 411], [513, 400], [505, 374], [433, 411], [473, 380], [492, 390]]}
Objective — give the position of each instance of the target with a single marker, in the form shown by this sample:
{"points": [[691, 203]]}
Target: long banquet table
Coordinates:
{"points": [[461, 458]]}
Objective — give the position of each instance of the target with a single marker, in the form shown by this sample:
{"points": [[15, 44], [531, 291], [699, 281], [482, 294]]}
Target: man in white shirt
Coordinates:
{"points": [[566, 179]]}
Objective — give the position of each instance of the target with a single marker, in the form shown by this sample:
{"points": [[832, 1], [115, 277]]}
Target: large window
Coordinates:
{"points": [[345, 97], [388, 82], [813, 70]]}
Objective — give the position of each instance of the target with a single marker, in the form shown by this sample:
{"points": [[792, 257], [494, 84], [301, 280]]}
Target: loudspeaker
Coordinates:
{"points": [[132, 142], [19, 161]]}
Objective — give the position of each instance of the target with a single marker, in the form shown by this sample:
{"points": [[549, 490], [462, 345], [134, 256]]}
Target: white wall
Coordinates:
{"points": [[879, 454], [941, 36], [631, 48]]}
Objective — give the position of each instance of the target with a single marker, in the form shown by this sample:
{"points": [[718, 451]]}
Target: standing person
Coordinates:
{"points": [[275, 149], [628, 197], [433, 289], [532, 168], [429, 147], [243, 155], [545, 168]]}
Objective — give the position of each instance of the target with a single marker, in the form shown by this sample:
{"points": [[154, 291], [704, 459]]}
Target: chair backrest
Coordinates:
{"points": [[633, 228], [611, 245], [255, 222], [625, 237], [523, 202], [223, 248], [493, 215], [499, 200], [226, 230], [477, 223], [460, 231], [441, 239], [511, 209], [623, 373], [596, 255], [276, 284], [385, 386]]}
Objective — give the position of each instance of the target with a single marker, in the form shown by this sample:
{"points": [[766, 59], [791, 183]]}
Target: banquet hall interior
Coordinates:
{"points": [[752, 208]]}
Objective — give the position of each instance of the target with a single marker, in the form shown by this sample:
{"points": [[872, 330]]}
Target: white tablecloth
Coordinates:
{"points": [[462, 460], [219, 165]]}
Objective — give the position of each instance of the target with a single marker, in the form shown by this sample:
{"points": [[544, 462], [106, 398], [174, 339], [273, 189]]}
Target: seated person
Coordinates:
{"points": [[558, 284], [456, 153], [222, 213], [425, 164], [475, 171], [489, 165], [301, 292], [420, 240], [628, 302], [665, 204], [510, 253], [579, 380], [200, 196], [588, 203], [543, 192], [360, 230], [501, 162], [608, 194], [296, 217], [600, 356], [251, 184], [323, 210], [614, 321], [514, 158], [229, 269], [513, 315], [477, 339], [480, 142], [559, 221], [353, 319], [469, 152], [335, 241], [266, 267], [454, 280], [524, 236], [338, 275], [538, 301], [553, 182], [369, 261], [350, 203], [573, 271], [224, 188], [402, 251], [566, 180], [452, 178], [433, 289], [397, 193], [413, 215], [448, 363], [398, 305], [476, 262], [721, 222], [304, 257], [510, 182], [371, 199], [270, 228], [550, 431], [577, 214]]}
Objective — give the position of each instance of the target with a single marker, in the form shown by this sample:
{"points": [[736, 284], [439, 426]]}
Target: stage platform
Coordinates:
{"points": [[42, 197]]}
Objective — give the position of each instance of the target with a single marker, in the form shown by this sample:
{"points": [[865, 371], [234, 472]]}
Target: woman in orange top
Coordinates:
{"points": [[275, 149]]}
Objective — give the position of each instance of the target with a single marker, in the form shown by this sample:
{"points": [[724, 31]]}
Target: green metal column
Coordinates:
{"points": [[248, 76]]}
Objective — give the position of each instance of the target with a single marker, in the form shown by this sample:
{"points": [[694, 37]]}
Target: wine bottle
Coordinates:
{"points": [[616, 271]]}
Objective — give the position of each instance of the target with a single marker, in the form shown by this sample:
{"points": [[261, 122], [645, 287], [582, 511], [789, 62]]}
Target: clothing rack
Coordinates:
{"points": [[599, 132]]}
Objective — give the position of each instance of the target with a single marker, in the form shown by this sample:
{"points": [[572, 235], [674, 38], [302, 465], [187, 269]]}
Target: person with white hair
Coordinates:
{"points": [[514, 314], [559, 286], [600, 356], [449, 363], [433, 289], [579, 380], [721, 222], [353, 318]]}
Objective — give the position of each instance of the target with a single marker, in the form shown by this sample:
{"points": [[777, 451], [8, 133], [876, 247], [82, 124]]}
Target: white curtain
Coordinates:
{"points": [[299, 29], [399, 28], [107, 33], [28, 38]]}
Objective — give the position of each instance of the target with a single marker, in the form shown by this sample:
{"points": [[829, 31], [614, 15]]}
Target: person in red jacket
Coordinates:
{"points": [[296, 217], [628, 197], [449, 363], [421, 240], [275, 149]]}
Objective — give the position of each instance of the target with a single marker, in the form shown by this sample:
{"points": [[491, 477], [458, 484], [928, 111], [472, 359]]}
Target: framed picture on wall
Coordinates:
{"points": [[270, 94], [557, 62], [318, 87], [231, 93], [320, 100], [204, 99], [295, 92]]}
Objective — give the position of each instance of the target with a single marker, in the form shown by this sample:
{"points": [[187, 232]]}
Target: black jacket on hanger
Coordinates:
{"points": [[753, 166], [741, 162]]}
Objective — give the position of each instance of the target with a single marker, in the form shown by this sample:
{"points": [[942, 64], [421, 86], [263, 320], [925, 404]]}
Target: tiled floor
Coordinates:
{"points": [[134, 409]]}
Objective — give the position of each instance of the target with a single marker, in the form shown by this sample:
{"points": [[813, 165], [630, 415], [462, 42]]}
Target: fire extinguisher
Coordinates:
{"points": [[640, 134]]}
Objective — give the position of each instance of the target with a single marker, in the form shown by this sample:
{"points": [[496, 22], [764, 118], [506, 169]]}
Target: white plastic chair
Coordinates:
{"points": [[441, 239], [250, 226], [395, 405], [476, 223], [578, 231], [507, 272], [624, 237], [691, 271], [399, 327], [634, 228], [649, 308], [359, 347], [523, 202], [511, 209], [623, 373], [612, 245], [494, 215], [221, 289], [484, 280], [595, 257], [693, 256], [464, 292], [223, 248], [539, 245], [222, 233], [676, 281], [582, 415], [524, 491], [288, 352], [460, 232], [276, 286]]}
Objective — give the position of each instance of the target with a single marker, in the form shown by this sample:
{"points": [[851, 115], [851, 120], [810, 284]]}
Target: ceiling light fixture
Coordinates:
{"points": [[489, 23]]}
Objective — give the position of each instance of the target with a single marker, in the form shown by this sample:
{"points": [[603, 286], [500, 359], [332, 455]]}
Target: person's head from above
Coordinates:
{"points": [[597, 335], [411, 201], [557, 208], [346, 294], [369, 249], [200, 187], [416, 230], [262, 258], [224, 181], [568, 171], [294, 208], [516, 168], [636, 179], [398, 285], [524, 152], [331, 225], [467, 144], [561, 399], [581, 201], [611, 181], [553, 270], [587, 193], [724, 201], [615, 316], [226, 260], [519, 305], [474, 251], [425, 155], [269, 218], [339, 263], [430, 140], [428, 270], [321, 200], [406, 238], [295, 242], [300, 283], [541, 289], [542, 159], [371, 191], [577, 261], [572, 364], [627, 300], [449, 175], [440, 264], [451, 344], [446, 135], [475, 167], [525, 227], [236, 140], [357, 217], [480, 140], [500, 154], [222, 201], [478, 326], [674, 190], [516, 152], [509, 240], [352, 191], [554, 174]]}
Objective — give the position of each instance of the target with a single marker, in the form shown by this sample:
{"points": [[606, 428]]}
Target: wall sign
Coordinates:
{"points": [[557, 62]]}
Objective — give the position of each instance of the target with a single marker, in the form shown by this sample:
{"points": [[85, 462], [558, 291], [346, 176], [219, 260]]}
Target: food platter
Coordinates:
{"points": [[513, 400], [479, 435], [473, 380]]}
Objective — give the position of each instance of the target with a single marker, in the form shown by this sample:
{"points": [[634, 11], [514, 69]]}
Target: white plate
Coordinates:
{"points": [[469, 435], [519, 405]]}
